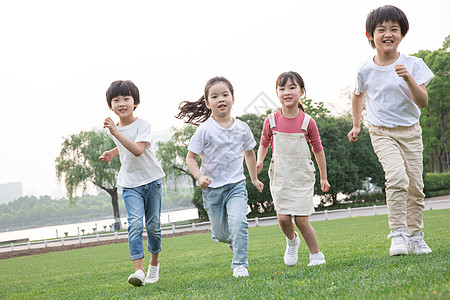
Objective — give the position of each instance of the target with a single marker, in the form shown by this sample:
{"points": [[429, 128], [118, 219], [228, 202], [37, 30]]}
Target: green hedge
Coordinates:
{"points": [[436, 184]]}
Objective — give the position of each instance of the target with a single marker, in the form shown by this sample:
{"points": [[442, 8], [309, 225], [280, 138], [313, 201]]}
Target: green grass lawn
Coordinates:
{"points": [[195, 267]]}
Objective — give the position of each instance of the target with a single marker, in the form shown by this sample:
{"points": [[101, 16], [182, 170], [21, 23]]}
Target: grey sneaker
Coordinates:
{"points": [[399, 242], [137, 278], [152, 274], [316, 259], [291, 253], [240, 271], [417, 245]]}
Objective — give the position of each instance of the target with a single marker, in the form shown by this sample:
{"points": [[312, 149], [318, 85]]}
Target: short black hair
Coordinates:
{"points": [[386, 13], [122, 88]]}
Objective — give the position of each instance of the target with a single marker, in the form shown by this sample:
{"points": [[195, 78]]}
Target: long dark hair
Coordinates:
{"points": [[197, 112], [295, 77]]}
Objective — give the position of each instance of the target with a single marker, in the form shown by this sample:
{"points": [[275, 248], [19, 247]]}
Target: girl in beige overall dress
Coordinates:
{"points": [[291, 170]]}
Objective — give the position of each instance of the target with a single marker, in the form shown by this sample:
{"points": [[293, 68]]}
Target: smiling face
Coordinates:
{"points": [[220, 100], [289, 94], [123, 106], [386, 36]]}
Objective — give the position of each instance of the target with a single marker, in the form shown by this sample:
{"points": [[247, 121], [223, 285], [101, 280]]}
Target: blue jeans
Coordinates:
{"points": [[144, 200], [227, 212]]}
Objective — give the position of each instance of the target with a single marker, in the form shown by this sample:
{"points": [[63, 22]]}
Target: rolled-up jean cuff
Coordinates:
{"points": [[137, 256], [154, 252]]}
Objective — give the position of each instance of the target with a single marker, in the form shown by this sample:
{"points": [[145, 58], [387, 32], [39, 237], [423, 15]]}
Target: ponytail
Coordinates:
{"points": [[195, 112]]}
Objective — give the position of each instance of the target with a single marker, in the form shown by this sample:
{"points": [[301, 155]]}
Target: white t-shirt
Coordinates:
{"points": [[137, 170], [222, 150], [388, 100]]}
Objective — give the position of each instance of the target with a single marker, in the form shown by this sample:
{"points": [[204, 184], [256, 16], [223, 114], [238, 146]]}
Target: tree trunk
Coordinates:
{"points": [[115, 204], [443, 155], [334, 199], [431, 163]]}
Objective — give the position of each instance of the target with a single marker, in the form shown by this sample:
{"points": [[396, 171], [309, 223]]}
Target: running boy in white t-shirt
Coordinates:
{"points": [[139, 176], [394, 85]]}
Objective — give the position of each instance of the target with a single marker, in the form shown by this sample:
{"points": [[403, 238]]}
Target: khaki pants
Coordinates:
{"points": [[399, 151]]}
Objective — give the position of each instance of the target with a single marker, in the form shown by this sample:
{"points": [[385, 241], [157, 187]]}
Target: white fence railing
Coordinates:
{"points": [[254, 222]]}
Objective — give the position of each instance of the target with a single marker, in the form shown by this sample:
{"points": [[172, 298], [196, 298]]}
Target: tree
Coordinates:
{"points": [[172, 155], [259, 203], [434, 118], [348, 165], [78, 164]]}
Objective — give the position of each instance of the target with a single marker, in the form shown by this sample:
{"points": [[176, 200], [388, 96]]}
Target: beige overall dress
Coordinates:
{"points": [[291, 172]]}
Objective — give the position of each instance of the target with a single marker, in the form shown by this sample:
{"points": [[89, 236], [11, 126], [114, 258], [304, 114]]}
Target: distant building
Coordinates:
{"points": [[10, 191]]}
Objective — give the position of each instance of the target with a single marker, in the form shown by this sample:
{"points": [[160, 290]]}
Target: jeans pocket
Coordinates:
{"points": [[125, 192], [206, 191]]}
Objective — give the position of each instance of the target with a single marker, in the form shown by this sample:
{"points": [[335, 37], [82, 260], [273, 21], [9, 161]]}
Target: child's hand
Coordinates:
{"points": [[259, 166], [106, 156], [324, 185], [352, 135], [203, 182], [109, 123], [402, 72], [258, 184]]}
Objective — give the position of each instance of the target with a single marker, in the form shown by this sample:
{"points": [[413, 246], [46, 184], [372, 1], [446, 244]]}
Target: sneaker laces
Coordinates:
{"points": [[291, 249], [152, 272], [419, 244], [398, 237]]}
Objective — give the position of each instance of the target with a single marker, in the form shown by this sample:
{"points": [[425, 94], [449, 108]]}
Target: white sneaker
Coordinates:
{"points": [[291, 253], [240, 271], [417, 245], [137, 278], [152, 274], [316, 259], [399, 242]]}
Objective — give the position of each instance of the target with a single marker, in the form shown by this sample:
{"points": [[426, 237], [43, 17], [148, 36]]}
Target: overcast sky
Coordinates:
{"points": [[59, 57]]}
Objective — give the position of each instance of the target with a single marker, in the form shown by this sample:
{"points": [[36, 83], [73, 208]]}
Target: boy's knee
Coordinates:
{"points": [[397, 180], [136, 226]]}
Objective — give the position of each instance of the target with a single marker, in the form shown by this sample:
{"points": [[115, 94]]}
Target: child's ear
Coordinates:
{"points": [[369, 36]]}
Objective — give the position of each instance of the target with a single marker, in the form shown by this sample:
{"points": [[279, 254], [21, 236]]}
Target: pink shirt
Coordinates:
{"points": [[292, 125]]}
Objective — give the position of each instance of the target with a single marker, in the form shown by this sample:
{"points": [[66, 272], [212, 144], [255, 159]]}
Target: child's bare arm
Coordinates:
{"points": [[322, 163], [262, 151], [203, 181], [357, 107], [250, 160], [107, 156], [418, 92], [136, 148]]}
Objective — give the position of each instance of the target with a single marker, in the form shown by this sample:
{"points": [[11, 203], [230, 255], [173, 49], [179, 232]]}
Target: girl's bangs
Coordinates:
{"points": [[284, 78]]}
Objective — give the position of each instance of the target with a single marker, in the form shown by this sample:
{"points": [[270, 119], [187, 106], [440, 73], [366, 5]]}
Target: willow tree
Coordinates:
{"points": [[172, 156], [78, 164]]}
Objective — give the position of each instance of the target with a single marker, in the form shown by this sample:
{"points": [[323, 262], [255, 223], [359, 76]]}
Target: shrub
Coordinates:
{"points": [[436, 184]]}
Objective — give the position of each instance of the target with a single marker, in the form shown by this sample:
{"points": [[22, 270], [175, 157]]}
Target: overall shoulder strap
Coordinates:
{"points": [[272, 121], [306, 122]]}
